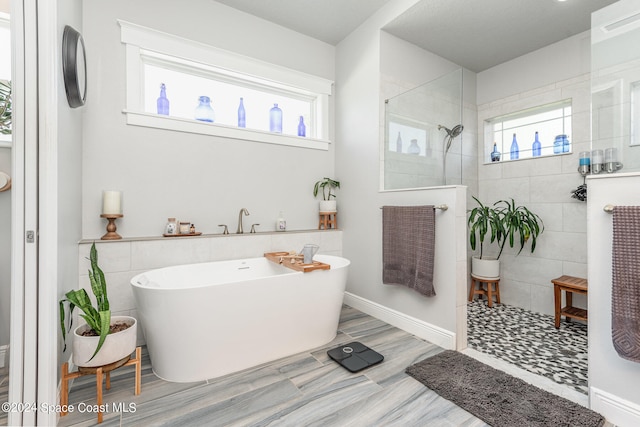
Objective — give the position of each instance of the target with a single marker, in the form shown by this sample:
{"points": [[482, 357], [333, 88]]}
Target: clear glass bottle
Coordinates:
{"points": [[275, 119], [536, 148], [399, 144], [204, 111], [281, 223], [171, 227], [242, 115], [495, 154], [302, 129], [163, 101], [514, 151], [414, 148]]}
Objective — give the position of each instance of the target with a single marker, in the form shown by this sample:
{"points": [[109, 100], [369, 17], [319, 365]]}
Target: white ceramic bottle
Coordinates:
{"points": [[281, 223]]}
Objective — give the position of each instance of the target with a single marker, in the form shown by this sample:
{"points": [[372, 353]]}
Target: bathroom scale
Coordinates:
{"points": [[355, 356]]}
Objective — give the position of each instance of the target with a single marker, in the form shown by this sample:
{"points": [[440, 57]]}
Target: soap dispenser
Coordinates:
{"points": [[281, 223]]}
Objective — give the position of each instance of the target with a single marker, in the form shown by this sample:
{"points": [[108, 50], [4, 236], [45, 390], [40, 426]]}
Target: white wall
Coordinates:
{"points": [[5, 254], [59, 193], [217, 176], [559, 61], [613, 381], [543, 185], [363, 65]]}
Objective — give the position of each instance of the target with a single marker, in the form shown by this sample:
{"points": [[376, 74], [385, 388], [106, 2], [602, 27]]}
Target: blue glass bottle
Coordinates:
{"points": [[163, 101], [495, 154], [275, 119], [242, 115], [204, 111], [559, 144], [565, 144], [537, 147], [514, 151], [302, 129]]}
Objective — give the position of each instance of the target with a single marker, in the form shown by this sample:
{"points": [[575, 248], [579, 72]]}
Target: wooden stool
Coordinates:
{"points": [[328, 220], [98, 371], [489, 292], [570, 285]]}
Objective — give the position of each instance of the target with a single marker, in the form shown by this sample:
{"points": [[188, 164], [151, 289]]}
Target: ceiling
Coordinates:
{"points": [[475, 34]]}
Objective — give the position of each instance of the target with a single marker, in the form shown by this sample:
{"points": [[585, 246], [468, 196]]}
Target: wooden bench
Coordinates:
{"points": [[571, 285]]}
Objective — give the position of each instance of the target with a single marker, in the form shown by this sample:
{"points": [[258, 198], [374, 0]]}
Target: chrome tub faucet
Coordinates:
{"points": [[242, 211]]}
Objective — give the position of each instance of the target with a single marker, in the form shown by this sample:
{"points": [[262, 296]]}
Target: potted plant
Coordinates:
{"points": [[327, 185], [5, 108], [504, 222], [104, 339]]}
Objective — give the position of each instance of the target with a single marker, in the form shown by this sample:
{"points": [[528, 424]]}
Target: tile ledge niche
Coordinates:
{"points": [[217, 235]]}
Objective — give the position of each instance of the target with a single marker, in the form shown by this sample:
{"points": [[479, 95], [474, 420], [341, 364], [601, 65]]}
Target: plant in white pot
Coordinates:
{"points": [[328, 186], [104, 339], [503, 222]]}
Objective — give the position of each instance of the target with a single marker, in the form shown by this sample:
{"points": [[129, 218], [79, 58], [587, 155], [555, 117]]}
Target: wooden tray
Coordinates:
{"points": [[286, 258], [197, 233]]}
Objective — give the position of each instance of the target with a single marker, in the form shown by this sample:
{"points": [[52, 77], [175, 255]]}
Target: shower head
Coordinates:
{"points": [[451, 133], [457, 130]]}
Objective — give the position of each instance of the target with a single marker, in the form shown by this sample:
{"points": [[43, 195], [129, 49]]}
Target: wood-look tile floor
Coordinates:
{"points": [[306, 389]]}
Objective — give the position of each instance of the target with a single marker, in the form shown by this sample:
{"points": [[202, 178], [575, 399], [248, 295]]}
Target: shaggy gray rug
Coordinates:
{"points": [[496, 397]]}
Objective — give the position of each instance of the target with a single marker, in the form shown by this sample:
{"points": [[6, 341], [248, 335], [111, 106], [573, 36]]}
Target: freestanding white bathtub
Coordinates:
{"points": [[206, 320]]}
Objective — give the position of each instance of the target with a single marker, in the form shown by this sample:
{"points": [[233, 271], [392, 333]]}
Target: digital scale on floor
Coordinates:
{"points": [[355, 356]]}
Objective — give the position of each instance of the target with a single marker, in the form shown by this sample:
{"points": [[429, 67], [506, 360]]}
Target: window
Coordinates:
{"points": [[190, 70], [551, 123]]}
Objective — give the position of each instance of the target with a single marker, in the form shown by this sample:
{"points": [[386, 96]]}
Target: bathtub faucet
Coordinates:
{"points": [[242, 211]]}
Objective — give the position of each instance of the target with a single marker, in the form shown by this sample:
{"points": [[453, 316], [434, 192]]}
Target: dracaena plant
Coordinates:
{"points": [[99, 317], [504, 222]]}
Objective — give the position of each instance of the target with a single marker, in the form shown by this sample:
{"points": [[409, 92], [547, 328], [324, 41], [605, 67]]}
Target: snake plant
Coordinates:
{"points": [[5, 108], [99, 317]]}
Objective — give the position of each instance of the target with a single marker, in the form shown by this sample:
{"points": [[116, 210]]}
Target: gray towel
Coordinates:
{"points": [[625, 307], [408, 247]]}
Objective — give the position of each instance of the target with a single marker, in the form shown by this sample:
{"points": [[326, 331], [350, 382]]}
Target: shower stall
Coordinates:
{"points": [[424, 135]]}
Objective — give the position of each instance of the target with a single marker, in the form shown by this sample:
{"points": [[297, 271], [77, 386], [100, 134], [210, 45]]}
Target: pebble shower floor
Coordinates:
{"points": [[530, 341]]}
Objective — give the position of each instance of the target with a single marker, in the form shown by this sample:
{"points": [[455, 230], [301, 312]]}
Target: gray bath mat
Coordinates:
{"points": [[496, 397]]}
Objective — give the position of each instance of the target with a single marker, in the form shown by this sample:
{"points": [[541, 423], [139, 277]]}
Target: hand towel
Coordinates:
{"points": [[408, 247], [625, 306]]}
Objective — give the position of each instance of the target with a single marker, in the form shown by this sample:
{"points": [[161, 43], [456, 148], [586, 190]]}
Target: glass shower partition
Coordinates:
{"points": [[422, 147], [615, 88]]}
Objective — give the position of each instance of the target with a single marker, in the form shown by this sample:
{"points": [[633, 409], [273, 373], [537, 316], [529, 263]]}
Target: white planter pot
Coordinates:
{"points": [[116, 346], [488, 268], [328, 206]]}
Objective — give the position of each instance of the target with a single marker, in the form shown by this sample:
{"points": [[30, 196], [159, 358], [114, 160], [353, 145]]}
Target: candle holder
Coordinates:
{"points": [[111, 227]]}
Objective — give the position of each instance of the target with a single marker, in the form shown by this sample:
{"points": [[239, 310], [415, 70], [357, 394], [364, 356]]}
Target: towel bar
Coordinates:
{"points": [[441, 207], [608, 208]]}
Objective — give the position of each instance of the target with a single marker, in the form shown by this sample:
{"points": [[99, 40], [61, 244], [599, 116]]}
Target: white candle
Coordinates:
{"points": [[111, 202]]}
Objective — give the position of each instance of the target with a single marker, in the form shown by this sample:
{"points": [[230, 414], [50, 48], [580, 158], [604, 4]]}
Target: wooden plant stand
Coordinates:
{"points": [[98, 372], [328, 220], [493, 289]]}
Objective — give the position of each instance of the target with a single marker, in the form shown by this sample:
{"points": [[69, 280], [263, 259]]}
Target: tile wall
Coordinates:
{"points": [[544, 185]]}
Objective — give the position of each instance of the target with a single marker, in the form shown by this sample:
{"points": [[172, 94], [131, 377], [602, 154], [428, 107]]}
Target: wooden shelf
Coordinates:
{"points": [[575, 312]]}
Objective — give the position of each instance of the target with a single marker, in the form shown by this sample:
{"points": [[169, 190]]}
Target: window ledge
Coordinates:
{"points": [[193, 126]]}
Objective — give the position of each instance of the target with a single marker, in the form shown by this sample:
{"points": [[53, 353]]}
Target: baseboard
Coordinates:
{"points": [[616, 410], [417, 327]]}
